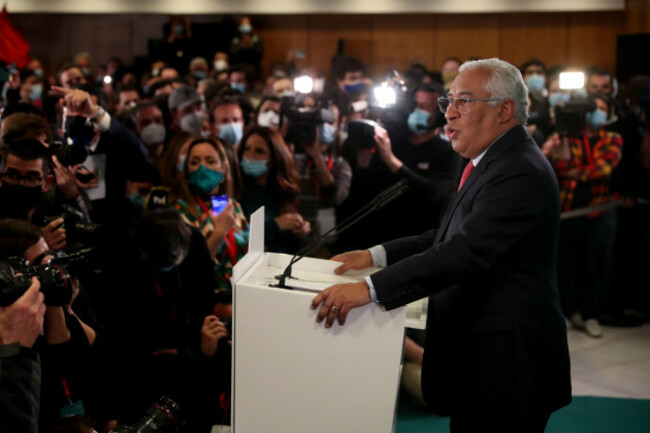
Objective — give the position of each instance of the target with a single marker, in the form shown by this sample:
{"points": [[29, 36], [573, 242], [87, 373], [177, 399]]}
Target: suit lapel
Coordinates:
{"points": [[515, 134]]}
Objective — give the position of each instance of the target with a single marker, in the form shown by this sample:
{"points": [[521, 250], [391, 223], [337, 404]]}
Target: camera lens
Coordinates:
{"points": [[164, 416]]}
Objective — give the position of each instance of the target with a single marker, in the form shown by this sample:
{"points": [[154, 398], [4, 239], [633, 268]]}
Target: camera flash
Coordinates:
{"points": [[303, 84], [572, 80], [108, 79], [384, 95]]}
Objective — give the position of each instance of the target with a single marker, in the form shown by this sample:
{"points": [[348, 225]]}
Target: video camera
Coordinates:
{"points": [[571, 117], [303, 121]]}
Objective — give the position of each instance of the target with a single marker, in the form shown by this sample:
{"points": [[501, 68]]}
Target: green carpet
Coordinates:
{"points": [[583, 415]]}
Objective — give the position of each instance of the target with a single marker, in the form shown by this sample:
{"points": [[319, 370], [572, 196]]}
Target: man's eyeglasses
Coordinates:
{"points": [[13, 177], [461, 104]]}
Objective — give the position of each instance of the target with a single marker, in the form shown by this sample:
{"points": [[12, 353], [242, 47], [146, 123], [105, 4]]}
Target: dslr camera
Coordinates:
{"points": [[56, 283], [54, 276], [164, 416], [77, 229]]}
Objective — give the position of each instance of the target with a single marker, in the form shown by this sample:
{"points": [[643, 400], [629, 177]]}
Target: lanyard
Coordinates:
{"points": [[231, 244], [314, 177], [172, 314], [587, 146]]}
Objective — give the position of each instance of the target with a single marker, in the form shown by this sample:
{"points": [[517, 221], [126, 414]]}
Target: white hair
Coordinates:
{"points": [[505, 82]]}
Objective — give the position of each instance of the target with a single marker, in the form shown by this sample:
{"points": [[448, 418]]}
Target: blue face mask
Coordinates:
{"points": [[36, 93], [205, 179], [165, 269], [136, 200], [351, 88], [86, 71], [240, 87], [596, 118], [326, 132], [558, 97], [245, 28], [418, 121], [231, 133], [199, 75], [38, 72], [535, 82], [181, 163], [252, 167], [179, 29]]}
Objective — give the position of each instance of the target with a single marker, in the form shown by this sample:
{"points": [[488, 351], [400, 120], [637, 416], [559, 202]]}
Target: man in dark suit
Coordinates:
{"points": [[496, 354]]}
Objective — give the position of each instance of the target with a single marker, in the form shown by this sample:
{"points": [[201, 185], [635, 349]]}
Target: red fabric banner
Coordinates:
{"points": [[13, 46]]}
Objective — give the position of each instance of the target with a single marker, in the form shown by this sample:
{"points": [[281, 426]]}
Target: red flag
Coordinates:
{"points": [[13, 46]]}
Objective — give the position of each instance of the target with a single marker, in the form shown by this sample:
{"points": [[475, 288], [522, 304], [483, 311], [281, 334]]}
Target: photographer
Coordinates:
{"points": [[72, 343], [20, 371], [155, 307], [25, 179], [584, 156], [325, 174], [426, 159]]}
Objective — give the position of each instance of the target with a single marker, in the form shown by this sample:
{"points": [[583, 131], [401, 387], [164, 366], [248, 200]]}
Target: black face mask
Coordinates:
{"points": [[16, 200]]}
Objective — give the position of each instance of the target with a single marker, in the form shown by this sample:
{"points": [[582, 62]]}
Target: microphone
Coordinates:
{"points": [[382, 200]]}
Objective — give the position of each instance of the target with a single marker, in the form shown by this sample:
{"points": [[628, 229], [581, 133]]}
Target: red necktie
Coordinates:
{"points": [[468, 169]]}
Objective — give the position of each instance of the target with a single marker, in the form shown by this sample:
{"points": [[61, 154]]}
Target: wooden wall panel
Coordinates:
{"points": [[466, 36], [637, 16], [281, 33], [524, 36], [399, 41], [325, 32], [382, 41], [592, 39]]}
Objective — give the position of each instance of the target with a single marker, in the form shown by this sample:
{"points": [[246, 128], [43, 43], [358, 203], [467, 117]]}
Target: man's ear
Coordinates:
{"points": [[48, 181], [506, 110]]}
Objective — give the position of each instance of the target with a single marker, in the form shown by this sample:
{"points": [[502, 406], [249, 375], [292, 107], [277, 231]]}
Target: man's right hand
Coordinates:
{"points": [[77, 101], [22, 321], [353, 260]]}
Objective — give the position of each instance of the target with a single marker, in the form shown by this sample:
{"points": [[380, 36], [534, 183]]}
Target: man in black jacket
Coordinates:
{"points": [[496, 350]]}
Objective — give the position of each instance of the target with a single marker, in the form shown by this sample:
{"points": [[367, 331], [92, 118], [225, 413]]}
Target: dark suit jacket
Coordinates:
{"points": [[496, 339]]}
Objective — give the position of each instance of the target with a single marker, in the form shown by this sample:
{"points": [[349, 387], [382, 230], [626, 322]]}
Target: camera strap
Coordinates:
{"points": [[314, 176]]}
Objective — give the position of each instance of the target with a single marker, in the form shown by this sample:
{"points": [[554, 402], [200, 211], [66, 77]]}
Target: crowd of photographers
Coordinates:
{"points": [[124, 204]]}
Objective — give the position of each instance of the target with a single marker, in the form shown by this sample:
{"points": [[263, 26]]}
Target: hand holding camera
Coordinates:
{"points": [[22, 321], [55, 235], [212, 331]]}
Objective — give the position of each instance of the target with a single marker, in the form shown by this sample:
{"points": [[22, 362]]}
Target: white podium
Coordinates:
{"points": [[293, 375]]}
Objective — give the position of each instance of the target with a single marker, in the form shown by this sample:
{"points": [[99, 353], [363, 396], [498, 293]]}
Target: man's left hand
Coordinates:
{"points": [[338, 300]]}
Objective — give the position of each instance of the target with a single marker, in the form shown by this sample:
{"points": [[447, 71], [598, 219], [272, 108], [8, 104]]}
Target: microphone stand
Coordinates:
{"points": [[380, 201]]}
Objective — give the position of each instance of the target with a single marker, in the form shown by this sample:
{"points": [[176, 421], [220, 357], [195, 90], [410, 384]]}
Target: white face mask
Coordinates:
{"points": [[269, 119], [153, 134], [220, 65], [192, 122]]}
